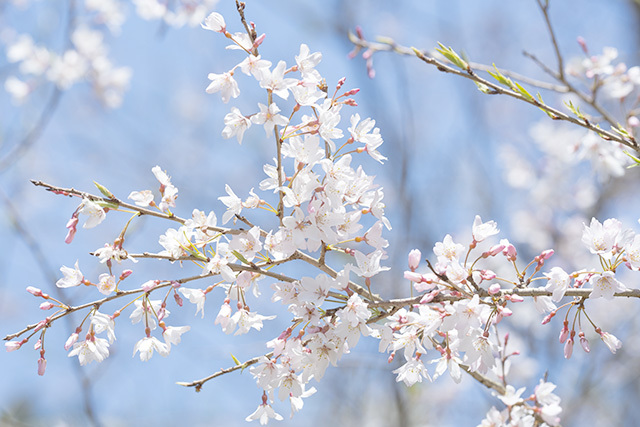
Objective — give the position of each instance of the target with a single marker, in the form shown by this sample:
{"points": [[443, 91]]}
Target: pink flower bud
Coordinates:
{"points": [[34, 291], [429, 297], [495, 250], [125, 274], [510, 252], [46, 306], [514, 298], [487, 274], [568, 348], [149, 285], [633, 121], [564, 332], [259, 40], [547, 254], [584, 343], [13, 345], [41, 324], [71, 225], [414, 259], [548, 318], [71, 340], [504, 311], [178, 299], [494, 289], [414, 277], [38, 344], [42, 365], [583, 44], [161, 313]]}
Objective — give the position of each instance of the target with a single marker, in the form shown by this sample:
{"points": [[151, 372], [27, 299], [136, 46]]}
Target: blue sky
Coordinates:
{"points": [[440, 133]]}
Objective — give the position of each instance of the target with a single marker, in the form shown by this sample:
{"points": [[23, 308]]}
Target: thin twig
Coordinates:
{"points": [[198, 383], [545, 13]]}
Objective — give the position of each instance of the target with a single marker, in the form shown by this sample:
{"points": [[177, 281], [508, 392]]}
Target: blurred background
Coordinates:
{"points": [[453, 153]]}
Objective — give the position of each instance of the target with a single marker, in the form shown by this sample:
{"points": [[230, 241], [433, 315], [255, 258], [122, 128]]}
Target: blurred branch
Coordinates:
{"points": [[32, 136], [559, 75]]}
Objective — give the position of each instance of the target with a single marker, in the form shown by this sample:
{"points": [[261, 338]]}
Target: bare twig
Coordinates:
{"points": [[544, 7], [198, 383]]}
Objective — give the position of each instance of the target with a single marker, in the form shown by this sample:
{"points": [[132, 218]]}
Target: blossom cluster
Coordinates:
{"points": [[322, 203], [86, 58]]}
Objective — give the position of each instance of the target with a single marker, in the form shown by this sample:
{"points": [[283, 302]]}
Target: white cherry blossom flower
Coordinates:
{"points": [[605, 285], [276, 82], [106, 284], [269, 117], [146, 311], [256, 66], [611, 341], [482, 230], [147, 345], [448, 250], [307, 62], [235, 124], [263, 414], [558, 283], [91, 349], [412, 372], [214, 22], [225, 84], [195, 296], [72, 276], [141, 198], [94, 211], [369, 265], [104, 323]]}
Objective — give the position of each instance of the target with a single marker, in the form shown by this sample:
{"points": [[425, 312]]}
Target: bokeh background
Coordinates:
{"points": [[453, 153]]}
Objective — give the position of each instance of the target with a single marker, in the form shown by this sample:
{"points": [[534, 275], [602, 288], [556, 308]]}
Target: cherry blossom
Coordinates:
{"points": [[95, 213], [215, 22], [605, 285], [225, 84], [235, 125], [147, 345], [91, 349], [72, 277]]}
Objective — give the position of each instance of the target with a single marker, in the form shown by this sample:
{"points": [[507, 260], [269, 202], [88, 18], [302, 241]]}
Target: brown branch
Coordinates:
{"points": [[495, 88], [143, 211], [527, 292], [102, 301], [199, 383], [544, 8]]}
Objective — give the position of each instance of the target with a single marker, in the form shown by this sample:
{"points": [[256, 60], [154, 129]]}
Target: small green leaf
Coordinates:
{"points": [[240, 257], [104, 191], [107, 205], [575, 110], [634, 158], [542, 102], [235, 359], [524, 92], [502, 79], [483, 87], [620, 130], [452, 56]]}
